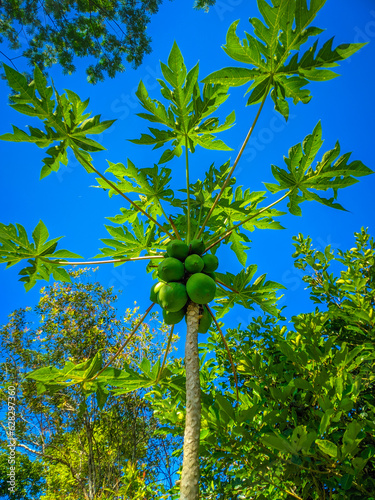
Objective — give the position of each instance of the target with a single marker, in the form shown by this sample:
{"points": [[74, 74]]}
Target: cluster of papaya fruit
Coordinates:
{"points": [[185, 274]]}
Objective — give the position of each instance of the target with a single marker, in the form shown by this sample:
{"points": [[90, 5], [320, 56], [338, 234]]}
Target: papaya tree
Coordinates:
{"points": [[305, 425], [180, 236]]}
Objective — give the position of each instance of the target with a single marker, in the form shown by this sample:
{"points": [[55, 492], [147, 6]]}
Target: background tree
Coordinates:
{"points": [[85, 453], [55, 32], [30, 481]]}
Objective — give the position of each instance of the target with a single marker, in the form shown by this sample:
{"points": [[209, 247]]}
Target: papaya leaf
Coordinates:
{"points": [[301, 178], [94, 366], [152, 184], [242, 291], [271, 53], [15, 246], [125, 243], [65, 122], [101, 396], [188, 117], [131, 380]]}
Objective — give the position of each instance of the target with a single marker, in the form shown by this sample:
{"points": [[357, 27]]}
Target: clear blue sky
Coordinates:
{"points": [[70, 207]]}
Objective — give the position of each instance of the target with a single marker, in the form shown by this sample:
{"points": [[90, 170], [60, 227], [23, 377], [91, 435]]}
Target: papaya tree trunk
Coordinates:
{"points": [[189, 489]]}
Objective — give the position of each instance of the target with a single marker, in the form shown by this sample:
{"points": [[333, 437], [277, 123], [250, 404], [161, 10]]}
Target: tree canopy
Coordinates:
{"points": [[70, 445], [110, 32]]}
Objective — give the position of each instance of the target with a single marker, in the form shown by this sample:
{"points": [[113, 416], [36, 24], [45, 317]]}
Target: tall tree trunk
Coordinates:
{"points": [[190, 467]]}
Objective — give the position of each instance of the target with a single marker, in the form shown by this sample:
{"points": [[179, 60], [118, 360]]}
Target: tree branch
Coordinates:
{"points": [[111, 261]]}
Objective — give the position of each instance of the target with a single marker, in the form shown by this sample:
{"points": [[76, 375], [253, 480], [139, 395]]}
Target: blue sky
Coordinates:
{"points": [[70, 207]]}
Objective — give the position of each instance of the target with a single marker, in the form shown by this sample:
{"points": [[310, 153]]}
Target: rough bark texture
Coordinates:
{"points": [[190, 467]]}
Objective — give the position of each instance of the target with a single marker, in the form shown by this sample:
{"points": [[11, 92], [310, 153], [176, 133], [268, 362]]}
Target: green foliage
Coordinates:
{"points": [[29, 477], [304, 426], [151, 183], [305, 419], [187, 118], [240, 290], [15, 247], [189, 123], [352, 295], [72, 322], [63, 117], [284, 29], [110, 32], [126, 243], [302, 178]]}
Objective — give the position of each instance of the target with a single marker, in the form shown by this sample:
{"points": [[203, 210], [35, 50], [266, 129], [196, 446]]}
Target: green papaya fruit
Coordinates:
{"points": [[172, 318], [172, 296], [211, 263], [211, 275], [205, 321], [171, 269], [200, 288], [153, 294], [194, 263], [178, 249], [154, 291], [197, 247]]}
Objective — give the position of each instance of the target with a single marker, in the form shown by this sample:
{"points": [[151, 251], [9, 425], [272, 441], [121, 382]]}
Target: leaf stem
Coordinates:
{"points": [[187, 188], [199, 221], [119, 351], [228, 352], [229, 231], [165, 355], [110, 261], [223, 284], [163, 212], [115, 188], [235, 162], [178, 236]]}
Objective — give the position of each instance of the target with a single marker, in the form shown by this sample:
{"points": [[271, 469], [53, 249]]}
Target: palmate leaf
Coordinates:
{"points": [[247, 294], [188, 116], [15, 247], [284, 28], [152, 184], [234, 208], [120, 381], [303, 181], [65, 122], [126, 244]]}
